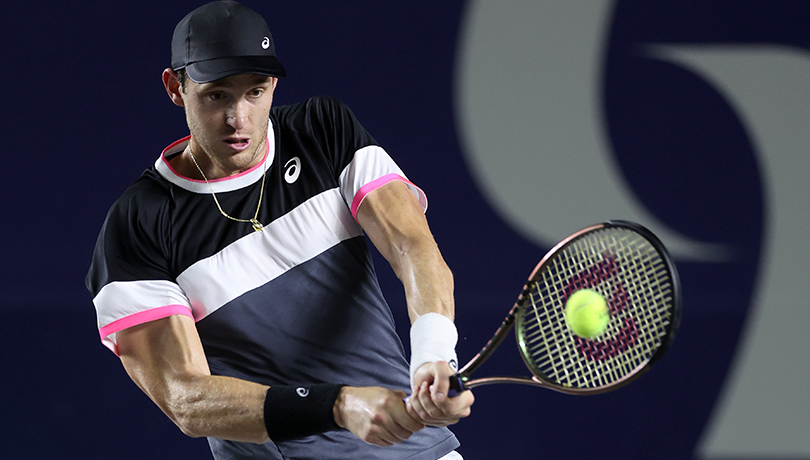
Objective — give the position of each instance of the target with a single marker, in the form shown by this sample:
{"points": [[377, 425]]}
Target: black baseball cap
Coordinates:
{"points": [[224, 38]]}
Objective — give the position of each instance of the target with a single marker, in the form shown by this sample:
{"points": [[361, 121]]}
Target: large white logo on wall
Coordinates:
{"points": [[532, 131], [531, 124], [765, 410]]}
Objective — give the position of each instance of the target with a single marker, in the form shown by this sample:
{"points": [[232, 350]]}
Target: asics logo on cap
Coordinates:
{"points": [[266, 42]]}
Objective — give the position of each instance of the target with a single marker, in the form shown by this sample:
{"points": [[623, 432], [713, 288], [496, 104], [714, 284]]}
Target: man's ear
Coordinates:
{"points": [[172, 85]]}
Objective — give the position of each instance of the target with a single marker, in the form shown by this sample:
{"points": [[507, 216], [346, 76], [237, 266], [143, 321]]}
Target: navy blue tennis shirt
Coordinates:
{"points": [[298, 303]]}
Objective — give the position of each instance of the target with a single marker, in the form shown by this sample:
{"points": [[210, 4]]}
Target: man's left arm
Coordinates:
{"points": [[395, 222]]}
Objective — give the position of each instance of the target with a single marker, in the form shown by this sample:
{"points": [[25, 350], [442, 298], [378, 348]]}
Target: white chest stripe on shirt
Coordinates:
{"points": [[250, 262]]}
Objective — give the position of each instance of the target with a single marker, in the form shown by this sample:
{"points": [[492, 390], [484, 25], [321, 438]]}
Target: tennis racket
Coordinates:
{"points": [[632, 270]]}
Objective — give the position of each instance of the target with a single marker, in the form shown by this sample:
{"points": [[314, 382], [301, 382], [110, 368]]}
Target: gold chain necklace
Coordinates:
{"points": [[254, 221]]}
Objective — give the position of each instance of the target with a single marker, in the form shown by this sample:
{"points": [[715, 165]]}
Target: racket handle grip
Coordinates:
{"points": [[456, 386]]}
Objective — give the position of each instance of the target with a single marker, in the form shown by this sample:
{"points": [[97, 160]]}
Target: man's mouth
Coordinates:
{"points": [[238, 143]]}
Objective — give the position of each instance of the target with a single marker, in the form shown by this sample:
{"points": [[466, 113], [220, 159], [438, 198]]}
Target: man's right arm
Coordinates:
{"points": [[165, 358]]}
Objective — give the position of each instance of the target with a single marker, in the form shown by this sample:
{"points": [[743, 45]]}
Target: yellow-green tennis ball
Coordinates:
{"points": [[586, 313]]}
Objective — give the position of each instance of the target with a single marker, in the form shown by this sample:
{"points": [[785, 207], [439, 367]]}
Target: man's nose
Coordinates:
{"points": [[238, 115]]}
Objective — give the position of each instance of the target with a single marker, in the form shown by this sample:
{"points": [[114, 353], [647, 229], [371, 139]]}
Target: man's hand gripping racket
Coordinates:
{"points": [[628, 266]]}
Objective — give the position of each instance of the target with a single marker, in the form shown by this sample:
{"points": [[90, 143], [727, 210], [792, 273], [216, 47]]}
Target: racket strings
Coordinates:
{"points": [[630, 273]]}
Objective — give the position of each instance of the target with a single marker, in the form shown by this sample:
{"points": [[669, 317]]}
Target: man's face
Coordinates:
{"points": [[228, 121]]}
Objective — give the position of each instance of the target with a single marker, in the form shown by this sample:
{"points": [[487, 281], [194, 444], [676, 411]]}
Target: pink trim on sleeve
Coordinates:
{"points": [[374, 185], [140, 318]]}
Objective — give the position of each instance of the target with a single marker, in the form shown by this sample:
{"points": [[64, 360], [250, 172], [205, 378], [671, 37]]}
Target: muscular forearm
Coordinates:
{"points": [[397, 226], [376, 415], [427, 280], [165, 359], [216, 406]]}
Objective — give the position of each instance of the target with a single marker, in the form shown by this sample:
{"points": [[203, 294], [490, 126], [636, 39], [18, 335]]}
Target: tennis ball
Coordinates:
{"points": [[586, 313]]}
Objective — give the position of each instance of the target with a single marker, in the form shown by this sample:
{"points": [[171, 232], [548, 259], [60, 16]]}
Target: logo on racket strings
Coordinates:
{"points": [[627, 336]]}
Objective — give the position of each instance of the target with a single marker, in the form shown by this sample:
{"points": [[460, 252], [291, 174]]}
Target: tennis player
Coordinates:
{"points": [[234, 281]]}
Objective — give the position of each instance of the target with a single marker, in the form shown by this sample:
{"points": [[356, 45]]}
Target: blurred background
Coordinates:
{"points": [[523, 121]]}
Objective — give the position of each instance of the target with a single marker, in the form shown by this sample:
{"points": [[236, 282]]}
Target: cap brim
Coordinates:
{"points": [[214, 69]]}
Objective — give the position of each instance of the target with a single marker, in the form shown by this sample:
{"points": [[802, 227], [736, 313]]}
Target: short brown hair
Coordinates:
{"points": [[181, 78]]}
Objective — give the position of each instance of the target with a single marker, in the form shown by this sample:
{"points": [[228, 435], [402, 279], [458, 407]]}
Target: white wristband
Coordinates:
{"points": [[433, 338]]}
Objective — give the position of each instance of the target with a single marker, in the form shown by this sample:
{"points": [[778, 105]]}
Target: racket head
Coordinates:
{"points": [[630, 267]]}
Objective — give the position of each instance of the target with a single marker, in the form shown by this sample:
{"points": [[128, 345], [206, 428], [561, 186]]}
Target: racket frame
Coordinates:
{"points": [[461, 380]]}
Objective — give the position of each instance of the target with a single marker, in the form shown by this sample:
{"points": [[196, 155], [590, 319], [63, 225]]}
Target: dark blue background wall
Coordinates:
{"points": [[700, 108]]}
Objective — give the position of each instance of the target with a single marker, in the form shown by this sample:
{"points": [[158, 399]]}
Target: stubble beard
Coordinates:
{"points": [[226, 164]]}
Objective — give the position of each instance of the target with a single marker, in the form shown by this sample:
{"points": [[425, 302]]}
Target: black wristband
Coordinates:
{"points": [[294, 412]]}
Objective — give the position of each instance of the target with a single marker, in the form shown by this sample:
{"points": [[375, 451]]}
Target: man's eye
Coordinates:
{"points": [[216, 96], [257, 92]]}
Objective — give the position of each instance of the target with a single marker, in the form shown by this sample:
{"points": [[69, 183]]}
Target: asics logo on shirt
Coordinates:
{"points": [[292, 170], [302, 392]]}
